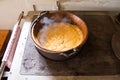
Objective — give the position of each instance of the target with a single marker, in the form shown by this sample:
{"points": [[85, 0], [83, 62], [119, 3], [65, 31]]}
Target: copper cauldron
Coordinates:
{"points": [[57, 16]]}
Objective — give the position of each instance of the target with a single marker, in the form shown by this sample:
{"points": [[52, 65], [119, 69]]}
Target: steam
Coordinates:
{"points": [[46, 21], [66, 20], [42, 34], [49, 21]]}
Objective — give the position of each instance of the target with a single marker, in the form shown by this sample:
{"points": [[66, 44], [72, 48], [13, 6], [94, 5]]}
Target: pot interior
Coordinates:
{"points": [[60, 19]]}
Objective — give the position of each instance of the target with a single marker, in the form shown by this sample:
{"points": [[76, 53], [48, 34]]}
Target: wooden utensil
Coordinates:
{"points": [[10, 50]]}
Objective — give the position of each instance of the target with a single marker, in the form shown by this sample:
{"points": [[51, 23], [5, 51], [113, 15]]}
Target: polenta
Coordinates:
{"points": [[60, 36]]}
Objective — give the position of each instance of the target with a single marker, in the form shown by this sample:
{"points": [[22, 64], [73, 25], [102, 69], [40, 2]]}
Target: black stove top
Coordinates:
{"points": [[95, 58]]}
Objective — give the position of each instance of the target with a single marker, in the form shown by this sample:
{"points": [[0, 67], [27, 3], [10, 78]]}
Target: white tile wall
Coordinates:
{"points": [[88, 5], [10, 9]]}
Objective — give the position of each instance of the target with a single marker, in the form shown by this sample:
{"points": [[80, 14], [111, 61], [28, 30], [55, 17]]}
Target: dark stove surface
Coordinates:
{"points": [[95, 58]]}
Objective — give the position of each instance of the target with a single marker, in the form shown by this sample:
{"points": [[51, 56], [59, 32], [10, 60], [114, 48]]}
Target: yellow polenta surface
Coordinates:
{"points": [[60, 37]]}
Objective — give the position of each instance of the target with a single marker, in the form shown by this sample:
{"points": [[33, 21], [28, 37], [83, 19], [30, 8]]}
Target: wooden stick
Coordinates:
{"points": [[2, 67], [10, 45]]}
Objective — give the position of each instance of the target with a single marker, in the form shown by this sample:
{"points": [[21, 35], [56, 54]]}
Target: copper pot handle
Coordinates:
{"points": [[40, 14], [70, 54]]}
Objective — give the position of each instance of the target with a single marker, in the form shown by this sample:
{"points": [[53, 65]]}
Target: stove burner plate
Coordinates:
{"points": [[95, 58]]}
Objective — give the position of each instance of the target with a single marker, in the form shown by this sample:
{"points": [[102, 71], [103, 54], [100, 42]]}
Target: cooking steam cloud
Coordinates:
{"points": [[48, 21]]}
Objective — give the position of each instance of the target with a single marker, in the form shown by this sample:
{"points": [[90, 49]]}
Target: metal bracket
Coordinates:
{"points": [[58, 5], [34, 7], [20, 17]]}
